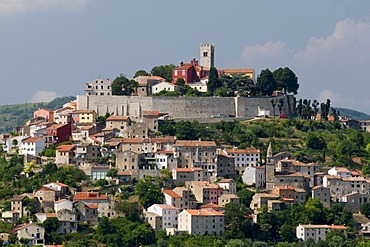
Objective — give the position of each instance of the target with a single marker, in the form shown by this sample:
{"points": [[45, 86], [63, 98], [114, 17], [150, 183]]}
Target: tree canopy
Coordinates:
{"points": [[266, 83], [164, 71], [286, 80]]}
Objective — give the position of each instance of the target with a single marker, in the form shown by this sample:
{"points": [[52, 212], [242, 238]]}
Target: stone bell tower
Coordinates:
{"points": [[270, 169], [207, 55]]}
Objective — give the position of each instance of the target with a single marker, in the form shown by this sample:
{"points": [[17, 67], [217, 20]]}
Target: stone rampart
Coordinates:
{"points": [[183, 107]]}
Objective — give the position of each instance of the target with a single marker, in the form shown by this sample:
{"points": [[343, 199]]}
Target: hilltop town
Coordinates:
{"points": [[149, 165]]}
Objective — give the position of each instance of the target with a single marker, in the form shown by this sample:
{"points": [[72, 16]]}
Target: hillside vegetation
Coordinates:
{"points": [[311, 141], [15, 115]]}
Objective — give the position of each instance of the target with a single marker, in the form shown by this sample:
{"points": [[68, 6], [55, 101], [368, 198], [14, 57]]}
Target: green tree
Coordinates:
{"points": [[149, 192], [365, 209], [280, 106], [286, 80], [180, 82], [132, 210], [315, 141], [141, 72], [164, 71], [112, 173], [237, 222], [118, 83], [266, 83], [213, 81]]}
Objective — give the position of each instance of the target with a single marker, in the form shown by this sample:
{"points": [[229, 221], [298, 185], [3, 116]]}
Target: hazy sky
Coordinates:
{"points": [[50, 48]]}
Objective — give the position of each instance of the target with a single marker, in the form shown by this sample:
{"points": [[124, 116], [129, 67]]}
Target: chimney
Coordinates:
{"points": [[181, 63]]}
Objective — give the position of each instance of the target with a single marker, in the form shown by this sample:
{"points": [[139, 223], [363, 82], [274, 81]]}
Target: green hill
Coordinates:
{"points": [[352, 114], [15, 115]]}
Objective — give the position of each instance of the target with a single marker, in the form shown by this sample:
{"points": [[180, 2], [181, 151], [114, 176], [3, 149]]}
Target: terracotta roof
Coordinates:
{"points": [[32, 139], [195, 212], [45, 189], [236, 70], [190, 143], [339, 227], [51, 215], [118, 118], [56, 126], [341, 169], [230, 196], [65, 148], [355, 173], [211, 205], [317, 187], [92, 206], [150, 113], [188, 169], [243, 151], [171, 193], [166, 206], [89, 196]]}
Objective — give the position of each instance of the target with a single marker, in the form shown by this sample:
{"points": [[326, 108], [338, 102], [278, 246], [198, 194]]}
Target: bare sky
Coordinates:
{"points": [[50, 48]]}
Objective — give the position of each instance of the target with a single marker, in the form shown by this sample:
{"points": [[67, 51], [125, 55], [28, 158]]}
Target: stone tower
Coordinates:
{"points": [[270, 169], [207, 55]]}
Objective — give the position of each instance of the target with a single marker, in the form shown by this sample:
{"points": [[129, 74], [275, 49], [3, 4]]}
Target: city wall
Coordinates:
{"points": [[183, 107]]}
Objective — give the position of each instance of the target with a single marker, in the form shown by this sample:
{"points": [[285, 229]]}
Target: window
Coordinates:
{"points": [[176, 72], [183, 72]]}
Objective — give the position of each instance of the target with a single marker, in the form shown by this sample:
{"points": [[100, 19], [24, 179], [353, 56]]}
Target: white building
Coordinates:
{"points": [[168, 213], [255, 175], [339, 171], [200, 86], [201, 222], [317, 232], [228, 185], [245, 158], [32, 145], [99, 87], [163, 86]]}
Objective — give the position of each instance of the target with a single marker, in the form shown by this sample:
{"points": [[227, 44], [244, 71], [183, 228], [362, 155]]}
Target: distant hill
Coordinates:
{"points": [[352, 114], [15, 115]]}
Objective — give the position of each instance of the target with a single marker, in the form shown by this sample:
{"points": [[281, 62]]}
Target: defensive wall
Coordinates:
{"points": [[183, 107]]}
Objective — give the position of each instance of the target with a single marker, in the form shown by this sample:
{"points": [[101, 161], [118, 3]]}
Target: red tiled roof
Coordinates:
{"points": [[191, 143], [32, 139], [118, 118], [65, 148], [92, 206], [195, 212], [211, 205], [171, 193], [243, 151], [89, 196], [150, 113]]}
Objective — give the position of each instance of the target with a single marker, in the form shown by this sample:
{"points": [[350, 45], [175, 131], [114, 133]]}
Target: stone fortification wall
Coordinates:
{"points": [[194, 107], [183, 107]]}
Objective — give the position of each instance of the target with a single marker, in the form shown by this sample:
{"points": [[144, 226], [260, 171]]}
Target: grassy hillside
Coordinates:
{"points": [[15, 115]]}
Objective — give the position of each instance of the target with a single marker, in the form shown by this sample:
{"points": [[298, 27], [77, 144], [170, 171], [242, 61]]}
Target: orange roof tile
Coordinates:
{"points": [[171, 193], [195, 212], [80, 196], [211, 205], [32, 139], [243, 151], [65, 148], [92, 206], [118, 118], [191, 143]]}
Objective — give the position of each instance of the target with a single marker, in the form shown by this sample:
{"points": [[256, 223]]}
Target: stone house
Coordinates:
{"points": [[122, 123], [228, 185], [86, 212], [245, 158], [187, 174], [31, 231], [317, 232], [65, 154], [179, 197], [204, 191], [323, 194], [255, 175], [227, 198]]}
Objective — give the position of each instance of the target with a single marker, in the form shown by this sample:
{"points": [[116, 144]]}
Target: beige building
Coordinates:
{"points": [[150, 118], [201, 222], [323, 194], [204, 191], [179, 197], [225, 199], [65, 154], [168, 213], [245, 158], [101, 87], [128, 161], [317, 232], [187, 174], [122, 123]]}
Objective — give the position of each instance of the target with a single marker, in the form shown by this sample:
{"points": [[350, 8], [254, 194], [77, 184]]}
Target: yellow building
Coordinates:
{"points": [[84, 116]]}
